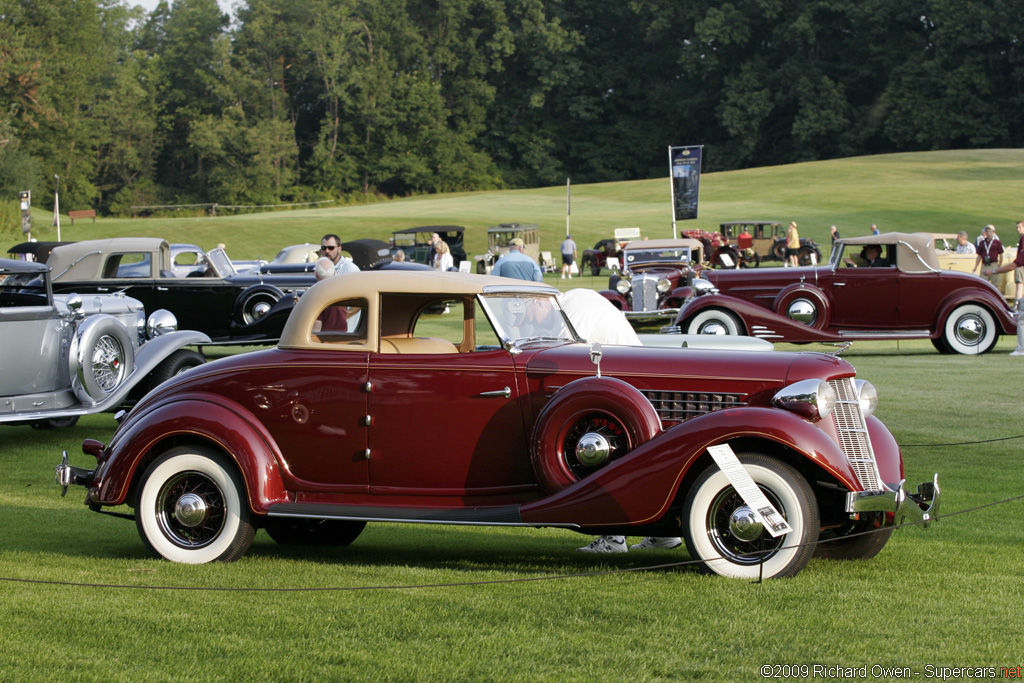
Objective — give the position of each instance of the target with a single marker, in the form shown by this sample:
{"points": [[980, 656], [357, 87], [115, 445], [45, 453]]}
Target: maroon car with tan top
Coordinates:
{"points": [[319, 436]]}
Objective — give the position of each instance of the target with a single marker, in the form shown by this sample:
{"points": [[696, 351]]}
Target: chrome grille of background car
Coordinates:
{"points": [[853, 434], [645, 293], [674, 407]]}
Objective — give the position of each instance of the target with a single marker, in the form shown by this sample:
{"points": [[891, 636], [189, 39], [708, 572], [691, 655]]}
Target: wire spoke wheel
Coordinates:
{"points": [[604, 432], [107, 363], [190, 510]]}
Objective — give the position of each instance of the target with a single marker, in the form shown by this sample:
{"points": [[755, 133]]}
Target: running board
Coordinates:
{"points": [[890, 334], [505, 515]]}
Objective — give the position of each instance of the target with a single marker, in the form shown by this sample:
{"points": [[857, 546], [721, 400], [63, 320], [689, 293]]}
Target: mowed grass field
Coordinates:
{"points": [[81, 600]]}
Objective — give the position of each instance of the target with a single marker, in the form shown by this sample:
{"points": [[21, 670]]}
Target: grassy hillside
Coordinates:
{"points": [[935, 191]]}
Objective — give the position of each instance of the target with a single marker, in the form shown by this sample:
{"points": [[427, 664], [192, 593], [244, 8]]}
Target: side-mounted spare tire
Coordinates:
{"points": [[102, 356], [587, 424]]}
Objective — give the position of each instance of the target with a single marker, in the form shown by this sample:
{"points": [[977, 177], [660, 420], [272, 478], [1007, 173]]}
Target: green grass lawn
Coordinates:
{"points": [[419, 602], [81, 600]]}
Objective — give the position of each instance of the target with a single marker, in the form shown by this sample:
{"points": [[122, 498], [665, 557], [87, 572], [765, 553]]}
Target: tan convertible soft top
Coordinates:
{"points": [[369, 284], [914, 252], [87, 256]]}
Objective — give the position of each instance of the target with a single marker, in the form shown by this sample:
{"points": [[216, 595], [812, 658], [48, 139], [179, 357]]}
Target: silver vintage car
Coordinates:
{"points": [[71, 355]]}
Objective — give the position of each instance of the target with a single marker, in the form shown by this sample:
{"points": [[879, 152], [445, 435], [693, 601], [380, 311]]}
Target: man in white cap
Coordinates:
{"points": [[517, 264]]}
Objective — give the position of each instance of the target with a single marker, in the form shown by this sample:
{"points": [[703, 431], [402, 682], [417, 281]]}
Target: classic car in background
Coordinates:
{"points": [[597, 258], [296, 258], [190, 258], [655, 278], [311, 441], [907, 297], [498, 238], [945, 252], [767, 240], [67, 356], [415, 242], [717, 251], [229, 307]]}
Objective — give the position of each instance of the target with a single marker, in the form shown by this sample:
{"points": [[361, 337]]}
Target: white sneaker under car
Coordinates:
{"points": [[660, 542], [605, 544]]}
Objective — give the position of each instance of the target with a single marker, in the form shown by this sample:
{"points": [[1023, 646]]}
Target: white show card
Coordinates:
{"points": [[751, 494]]}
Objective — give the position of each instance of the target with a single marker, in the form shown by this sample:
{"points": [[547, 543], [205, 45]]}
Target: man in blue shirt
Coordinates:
{"points": [[517, 264]]}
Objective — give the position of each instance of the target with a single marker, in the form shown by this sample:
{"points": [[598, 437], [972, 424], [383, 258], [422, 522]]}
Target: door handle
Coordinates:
{"points": [[838, 284], [161, 289], [501, 393]]}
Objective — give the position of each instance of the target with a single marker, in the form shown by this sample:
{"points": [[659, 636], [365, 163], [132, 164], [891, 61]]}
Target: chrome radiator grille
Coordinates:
{"points": [[853, 434], [645, 293], [674, 407]]}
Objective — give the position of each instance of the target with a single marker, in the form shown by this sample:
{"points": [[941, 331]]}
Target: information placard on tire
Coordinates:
{"points": [[749, 491]]}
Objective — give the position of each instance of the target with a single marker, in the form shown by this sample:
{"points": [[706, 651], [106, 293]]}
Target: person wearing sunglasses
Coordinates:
{"points": [[330, 247]]}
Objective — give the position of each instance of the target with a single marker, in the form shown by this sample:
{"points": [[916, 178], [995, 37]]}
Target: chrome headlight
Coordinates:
{"points": [[867, 395], [140, 325], [161, 322], [623, 286], [813, 399], [664, 284], [702, 287]]}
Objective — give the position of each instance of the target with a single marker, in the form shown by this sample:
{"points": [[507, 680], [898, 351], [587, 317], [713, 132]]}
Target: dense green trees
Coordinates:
{"points": [[323, 98]]}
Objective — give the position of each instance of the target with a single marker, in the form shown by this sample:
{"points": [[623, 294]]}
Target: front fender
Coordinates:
{"points": [[758, 321], [617, 299], [639, 487], [204, 417], [156, 350]]}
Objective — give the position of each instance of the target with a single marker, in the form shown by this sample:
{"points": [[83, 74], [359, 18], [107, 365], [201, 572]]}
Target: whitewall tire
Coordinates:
{"points": [[192, 508], [716, 522]]}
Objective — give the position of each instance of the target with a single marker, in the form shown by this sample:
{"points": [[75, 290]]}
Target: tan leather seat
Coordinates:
{"points": [[416, 345]]}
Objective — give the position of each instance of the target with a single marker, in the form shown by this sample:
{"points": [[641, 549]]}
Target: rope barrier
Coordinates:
{"points": [[460, 584]]}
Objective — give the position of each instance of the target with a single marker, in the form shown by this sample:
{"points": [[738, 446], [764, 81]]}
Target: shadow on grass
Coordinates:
{"points": [[79, 534]]}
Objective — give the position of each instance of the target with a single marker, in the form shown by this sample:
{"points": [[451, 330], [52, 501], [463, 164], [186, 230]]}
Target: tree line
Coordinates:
{"points": [[292, 101]]}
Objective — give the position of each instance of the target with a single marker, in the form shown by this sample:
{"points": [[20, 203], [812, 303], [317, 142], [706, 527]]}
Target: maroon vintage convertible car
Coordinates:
{"points": [[315, 438], [903, 294]]}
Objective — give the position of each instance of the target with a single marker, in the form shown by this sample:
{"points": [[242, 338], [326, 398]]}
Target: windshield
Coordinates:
{"points": [[521, 318], [670, 255], [22, 289]]}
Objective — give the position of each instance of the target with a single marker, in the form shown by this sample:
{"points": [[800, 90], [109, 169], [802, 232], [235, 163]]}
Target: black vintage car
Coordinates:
{"points": [[415, 242], [230, 307]]}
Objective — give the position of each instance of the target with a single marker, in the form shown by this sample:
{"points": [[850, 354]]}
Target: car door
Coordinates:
{"points": [[865, 298], [35, 344], [443, 422]]}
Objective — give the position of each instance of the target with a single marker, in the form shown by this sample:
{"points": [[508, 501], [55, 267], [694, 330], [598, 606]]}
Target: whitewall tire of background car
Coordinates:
{"points": [[103, 357], [192, 507], [718, 529], [970, 329], [713, 321]]}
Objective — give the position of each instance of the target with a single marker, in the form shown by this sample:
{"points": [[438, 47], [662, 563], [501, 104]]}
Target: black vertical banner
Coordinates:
{"points": [[684, 164]]}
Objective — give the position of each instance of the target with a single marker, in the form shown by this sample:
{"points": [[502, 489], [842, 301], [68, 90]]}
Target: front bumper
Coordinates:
{"points": [[915, 508], [656, 315]]}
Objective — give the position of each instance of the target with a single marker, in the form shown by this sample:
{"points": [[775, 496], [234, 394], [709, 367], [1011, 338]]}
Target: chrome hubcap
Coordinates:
{"points": [[714, 327], [743, 524], [593, 449], [970, 330], [190, 510], [802, 311]]}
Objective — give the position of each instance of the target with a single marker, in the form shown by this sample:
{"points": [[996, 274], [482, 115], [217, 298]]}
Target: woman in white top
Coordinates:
{"points": [[443, 261]]}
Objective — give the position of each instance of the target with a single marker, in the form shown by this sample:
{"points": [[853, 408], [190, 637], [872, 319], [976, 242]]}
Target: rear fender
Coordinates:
{"points": [[195, 417], [640, 487], [982, 297]]}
